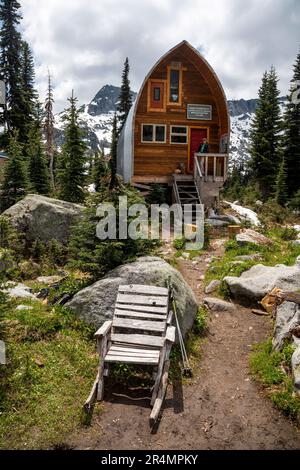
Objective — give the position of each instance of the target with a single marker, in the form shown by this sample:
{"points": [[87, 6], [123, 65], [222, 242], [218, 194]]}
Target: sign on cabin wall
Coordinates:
{"points": [[2, 93], [199, 112]]}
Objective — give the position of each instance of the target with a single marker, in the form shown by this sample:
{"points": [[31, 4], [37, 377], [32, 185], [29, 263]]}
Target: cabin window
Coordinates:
{"points": [[179, 135], [156, 95], [153, 133], [174, 86]]}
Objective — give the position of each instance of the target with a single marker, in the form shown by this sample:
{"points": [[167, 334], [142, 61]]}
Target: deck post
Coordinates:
{"points": [[206, 168], [215, 167]]}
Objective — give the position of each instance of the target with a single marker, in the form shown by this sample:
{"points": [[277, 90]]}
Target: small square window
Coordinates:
{"points": [[156, 94], [160, 133], [153, 133], [147, 133], [179, 135]]}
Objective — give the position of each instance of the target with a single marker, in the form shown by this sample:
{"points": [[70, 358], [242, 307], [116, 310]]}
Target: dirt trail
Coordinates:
{"points": [[221, 409]]}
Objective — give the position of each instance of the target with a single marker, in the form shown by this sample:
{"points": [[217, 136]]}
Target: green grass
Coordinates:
{"points": [[272, 370], [51, 367]]}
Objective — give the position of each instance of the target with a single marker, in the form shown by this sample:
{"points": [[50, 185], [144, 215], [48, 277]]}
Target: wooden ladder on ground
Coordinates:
{"points": [[139, 333]]}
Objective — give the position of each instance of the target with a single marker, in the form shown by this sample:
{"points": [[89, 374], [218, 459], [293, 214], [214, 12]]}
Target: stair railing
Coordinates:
{"points": [[198, 176]]}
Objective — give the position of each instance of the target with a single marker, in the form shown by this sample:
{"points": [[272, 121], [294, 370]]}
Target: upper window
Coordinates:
{"points": [[156, 95], [179, 135], [174, 86], [153, 133]]}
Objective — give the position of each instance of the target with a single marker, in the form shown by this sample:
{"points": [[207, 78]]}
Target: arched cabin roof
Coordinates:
{"points": [[126, 141]]}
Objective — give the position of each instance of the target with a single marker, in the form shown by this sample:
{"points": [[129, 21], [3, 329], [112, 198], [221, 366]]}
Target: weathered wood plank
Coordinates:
{"points": [[142, 308], [139, 324], [161, 395], [145, 315], [144, 289], [140, 351], [132, 359], [142, 300], [155, 341], [104, 329]]}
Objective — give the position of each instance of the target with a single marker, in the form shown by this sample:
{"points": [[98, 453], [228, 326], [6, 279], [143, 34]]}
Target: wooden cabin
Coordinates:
{"points": [[180, 103]]}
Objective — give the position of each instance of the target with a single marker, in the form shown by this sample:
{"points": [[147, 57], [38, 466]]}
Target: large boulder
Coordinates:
{"points": [[259, 280], [251, 236], [287, 320], [95, 304], [43, 218]]}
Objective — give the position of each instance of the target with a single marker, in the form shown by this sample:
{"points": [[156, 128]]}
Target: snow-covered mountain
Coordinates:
{"points": [[96, 118], [242, 113]]}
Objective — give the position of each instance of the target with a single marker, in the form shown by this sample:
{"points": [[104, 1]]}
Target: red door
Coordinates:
{"points": [[196, 138]]}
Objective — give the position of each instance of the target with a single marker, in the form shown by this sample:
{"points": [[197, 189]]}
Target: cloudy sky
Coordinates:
{"points": [[84, 43]]}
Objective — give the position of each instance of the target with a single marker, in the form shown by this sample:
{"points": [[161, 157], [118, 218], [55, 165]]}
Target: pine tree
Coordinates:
{"points": [[125, 98], [292, 133], [281, 184], [71, 172], [38, 170], [28, 77], [11, 66], [113, 154], [265, 136], [100, 170], [16, 183], [49, 131]]}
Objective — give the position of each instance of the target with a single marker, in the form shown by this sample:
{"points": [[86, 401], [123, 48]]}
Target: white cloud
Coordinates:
{"points": [[85, 43]]}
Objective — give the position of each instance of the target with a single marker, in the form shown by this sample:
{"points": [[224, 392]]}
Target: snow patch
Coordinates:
{"points": [[249, 214]]}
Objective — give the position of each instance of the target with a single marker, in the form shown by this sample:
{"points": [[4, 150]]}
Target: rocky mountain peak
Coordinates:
{"points": [[105, 100]]}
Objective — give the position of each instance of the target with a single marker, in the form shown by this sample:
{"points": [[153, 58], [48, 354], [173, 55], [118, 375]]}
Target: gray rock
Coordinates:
{"points": [[24, 307], [259, 280], [95, 304], [296, 242], [296, 370], [48, 280], [218, 305], [251, 236], [259, 203], [216, 223], [231, 219], [19, 291], [255, 256], [42, 218], [212, 286], [287, 318]]}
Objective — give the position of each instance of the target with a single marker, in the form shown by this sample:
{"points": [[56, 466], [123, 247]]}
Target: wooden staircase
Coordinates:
{"points": [[186, 192]]}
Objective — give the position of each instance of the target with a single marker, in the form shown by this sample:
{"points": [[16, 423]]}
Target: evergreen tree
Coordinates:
{"points": [[11, 66], [71, 172], [28, 76], [281, 184], [113, 154], [292, 133], [265, 136], [100, 170], [38, 170], [125, 99], [15, 184], [49, 130]]}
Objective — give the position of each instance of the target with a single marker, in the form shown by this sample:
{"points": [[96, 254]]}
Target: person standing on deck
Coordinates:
{"points": [[204, 147]]}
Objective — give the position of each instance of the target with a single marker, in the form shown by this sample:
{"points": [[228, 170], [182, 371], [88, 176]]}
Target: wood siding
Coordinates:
{"points": [[199, 86]]}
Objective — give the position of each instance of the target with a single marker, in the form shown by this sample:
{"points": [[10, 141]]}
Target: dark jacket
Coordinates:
{"points": [[203, 148]]}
